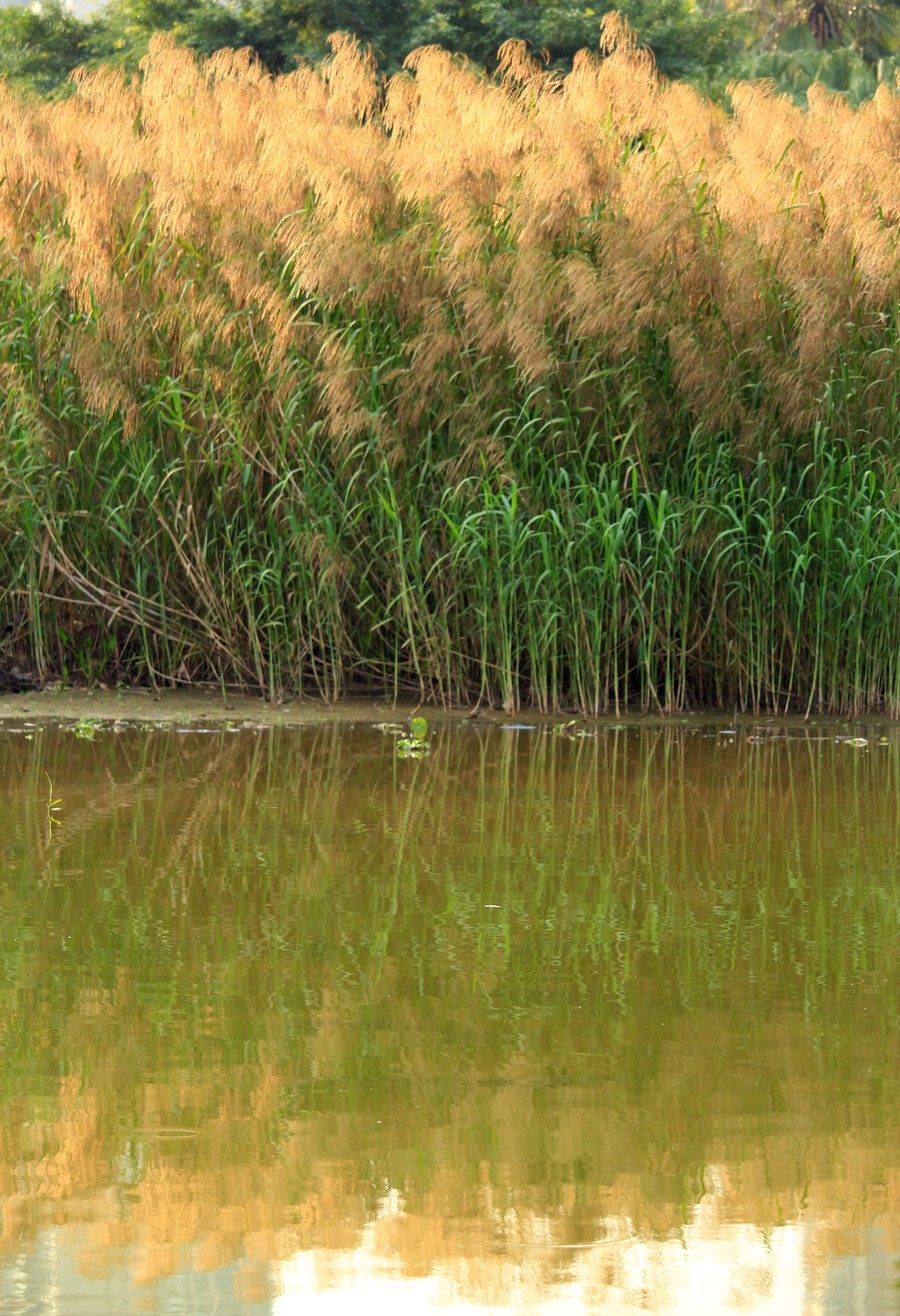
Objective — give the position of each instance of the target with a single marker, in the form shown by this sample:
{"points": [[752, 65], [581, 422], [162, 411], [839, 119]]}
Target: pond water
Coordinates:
{"points": [[537, 1022]]}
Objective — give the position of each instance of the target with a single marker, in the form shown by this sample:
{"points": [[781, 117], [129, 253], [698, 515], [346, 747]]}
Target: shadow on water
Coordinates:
{"points": [[528, 1000]]}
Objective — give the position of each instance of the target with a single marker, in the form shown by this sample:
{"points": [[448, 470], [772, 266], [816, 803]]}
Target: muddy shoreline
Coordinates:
{"points": [[209, 707]]}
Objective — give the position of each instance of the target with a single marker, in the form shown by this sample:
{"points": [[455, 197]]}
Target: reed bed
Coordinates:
{"points": [[561, 391]]}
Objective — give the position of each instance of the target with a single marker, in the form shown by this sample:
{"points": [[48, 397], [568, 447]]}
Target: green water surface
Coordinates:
{"points": [[538, 1022]]}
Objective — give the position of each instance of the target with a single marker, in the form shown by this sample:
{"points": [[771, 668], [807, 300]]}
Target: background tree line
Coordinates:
{"points": [[706, 42]]}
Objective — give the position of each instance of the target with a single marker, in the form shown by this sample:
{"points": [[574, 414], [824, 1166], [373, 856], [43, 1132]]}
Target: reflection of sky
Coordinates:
{"points": [[711, 1269], [58, 1276], [79, 7], [740, 1270]]}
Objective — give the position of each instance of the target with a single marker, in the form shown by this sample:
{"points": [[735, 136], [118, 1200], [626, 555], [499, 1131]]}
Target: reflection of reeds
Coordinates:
{"points": [[682, 931], [630, 837], [566, 390]]}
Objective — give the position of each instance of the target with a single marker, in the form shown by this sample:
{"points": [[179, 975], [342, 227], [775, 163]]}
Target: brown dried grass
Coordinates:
{"points": [[469, 232]]}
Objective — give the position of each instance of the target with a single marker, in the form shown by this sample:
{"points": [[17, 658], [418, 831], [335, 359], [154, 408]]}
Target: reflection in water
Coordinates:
{"points": [[594, 1024], [705, 1271]]}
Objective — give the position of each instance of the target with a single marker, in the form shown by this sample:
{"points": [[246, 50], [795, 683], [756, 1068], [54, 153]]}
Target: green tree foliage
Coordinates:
{"points": [[386, 25], [41, 45], [796, 64], [687, 41], [40, 49], [843, 48], [871, 29], [279, 31], [826, 45]]}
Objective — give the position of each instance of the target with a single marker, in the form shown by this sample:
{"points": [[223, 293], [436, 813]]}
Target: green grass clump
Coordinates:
{"points": [[568, 392]]}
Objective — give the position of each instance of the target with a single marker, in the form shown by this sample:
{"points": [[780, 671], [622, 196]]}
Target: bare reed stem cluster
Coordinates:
{"points": [[559, 389]]}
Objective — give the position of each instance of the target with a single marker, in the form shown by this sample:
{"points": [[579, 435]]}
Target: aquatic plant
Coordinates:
{"points": [[415, 745], [565, 391], [53, 806], [85, 729]]}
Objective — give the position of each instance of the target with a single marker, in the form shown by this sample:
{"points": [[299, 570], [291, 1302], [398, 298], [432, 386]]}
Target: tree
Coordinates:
{"points": [[278, 31], [41, 45], [843, 48], [687, 40], [871, 29]]}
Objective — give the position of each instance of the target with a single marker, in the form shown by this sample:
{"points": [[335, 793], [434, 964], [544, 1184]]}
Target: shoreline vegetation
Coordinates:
{"points": [[562, 392]]}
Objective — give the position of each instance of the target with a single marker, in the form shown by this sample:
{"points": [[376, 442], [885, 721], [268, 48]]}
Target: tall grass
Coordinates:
{"points": [[561, 391]]}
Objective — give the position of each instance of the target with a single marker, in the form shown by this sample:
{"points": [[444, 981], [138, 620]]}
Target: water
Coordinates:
{"points": [[540, 1023]]}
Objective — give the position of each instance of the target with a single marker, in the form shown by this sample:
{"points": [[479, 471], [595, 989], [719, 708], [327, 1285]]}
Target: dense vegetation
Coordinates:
{"points": [[845, 48], [41, 44], [560, 389]]}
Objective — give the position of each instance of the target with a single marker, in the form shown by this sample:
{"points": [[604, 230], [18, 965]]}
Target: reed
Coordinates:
{"points": [[567, 391]]}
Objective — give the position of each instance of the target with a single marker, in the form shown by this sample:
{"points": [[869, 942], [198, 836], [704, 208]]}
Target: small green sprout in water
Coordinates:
{"points": [[572, 730], [84, 729], [53, 805], [415, 745]]}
